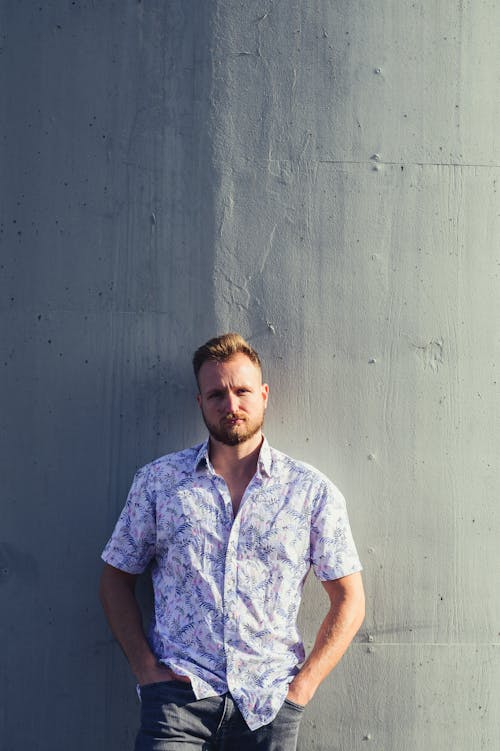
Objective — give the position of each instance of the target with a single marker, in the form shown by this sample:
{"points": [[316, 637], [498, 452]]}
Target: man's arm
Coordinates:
{"points": [[345, 616], [117, 593]]}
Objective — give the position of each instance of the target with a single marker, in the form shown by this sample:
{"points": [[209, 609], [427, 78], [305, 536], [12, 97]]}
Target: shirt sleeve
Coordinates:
{"points": [[333, 552], [132, 544]]}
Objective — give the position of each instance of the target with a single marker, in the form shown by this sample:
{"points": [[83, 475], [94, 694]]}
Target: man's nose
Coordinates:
{"points": [[232, 403]]}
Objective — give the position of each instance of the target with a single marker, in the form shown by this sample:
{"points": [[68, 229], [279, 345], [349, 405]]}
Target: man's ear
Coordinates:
{"points": [[198, 399], [265, 393]]}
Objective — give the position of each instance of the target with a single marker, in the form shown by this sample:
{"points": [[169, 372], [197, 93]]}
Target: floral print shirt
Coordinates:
{"points": [[227, 589]]}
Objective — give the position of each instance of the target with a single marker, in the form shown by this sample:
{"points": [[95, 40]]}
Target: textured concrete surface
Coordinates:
{"points": [[323, 177]]}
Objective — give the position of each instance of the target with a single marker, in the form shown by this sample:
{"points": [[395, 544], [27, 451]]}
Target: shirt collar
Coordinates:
{"points": [[264, 464]]}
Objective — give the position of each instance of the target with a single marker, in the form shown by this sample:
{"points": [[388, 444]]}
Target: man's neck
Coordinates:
{"points": [[236, 461]]}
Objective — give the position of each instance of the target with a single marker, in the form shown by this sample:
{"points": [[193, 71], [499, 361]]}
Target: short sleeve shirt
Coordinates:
{"points": [[227, 589]]}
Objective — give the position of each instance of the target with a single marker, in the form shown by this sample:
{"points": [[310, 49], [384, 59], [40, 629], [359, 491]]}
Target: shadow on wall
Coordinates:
{"points": [[108, 259]]}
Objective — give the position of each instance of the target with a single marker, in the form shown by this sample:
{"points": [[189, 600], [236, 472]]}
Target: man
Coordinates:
{"points": [[231, 528]]}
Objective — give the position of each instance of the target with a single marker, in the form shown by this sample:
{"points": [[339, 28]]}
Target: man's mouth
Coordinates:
{"points": [[233, 420]]}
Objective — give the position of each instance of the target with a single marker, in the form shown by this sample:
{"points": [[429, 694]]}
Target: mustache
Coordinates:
{"points": [[233, 416]]}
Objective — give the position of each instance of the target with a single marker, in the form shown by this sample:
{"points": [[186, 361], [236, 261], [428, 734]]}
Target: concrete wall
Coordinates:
{"points": [[321, 176]]}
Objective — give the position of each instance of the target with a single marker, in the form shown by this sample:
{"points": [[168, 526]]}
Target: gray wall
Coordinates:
{"points": [[321, 176]]}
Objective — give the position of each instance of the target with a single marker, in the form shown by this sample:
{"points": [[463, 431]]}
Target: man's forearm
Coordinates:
{"points": [[124, 617], [345, 616]]}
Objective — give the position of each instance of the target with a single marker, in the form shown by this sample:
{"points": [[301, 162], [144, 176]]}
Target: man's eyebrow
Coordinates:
{"points": [[221, 390]]}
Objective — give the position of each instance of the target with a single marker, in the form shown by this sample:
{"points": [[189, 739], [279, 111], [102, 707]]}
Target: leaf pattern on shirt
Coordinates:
{"points": [[227, 590]]}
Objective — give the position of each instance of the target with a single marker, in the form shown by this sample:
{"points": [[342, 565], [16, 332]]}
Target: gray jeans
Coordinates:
{"points": [[172, 719]]}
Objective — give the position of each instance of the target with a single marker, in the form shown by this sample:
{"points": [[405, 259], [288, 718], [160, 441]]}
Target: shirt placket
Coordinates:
{"points": [[232, 611]]}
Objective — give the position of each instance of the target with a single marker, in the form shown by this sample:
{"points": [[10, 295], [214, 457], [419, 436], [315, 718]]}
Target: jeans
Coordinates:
{"points": [[172, 719]]}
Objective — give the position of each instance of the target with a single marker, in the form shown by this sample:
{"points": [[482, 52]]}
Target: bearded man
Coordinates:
{"points": [[231, 528]]}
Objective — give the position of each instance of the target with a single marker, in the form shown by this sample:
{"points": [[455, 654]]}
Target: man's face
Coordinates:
{"points": [[232, 399]]}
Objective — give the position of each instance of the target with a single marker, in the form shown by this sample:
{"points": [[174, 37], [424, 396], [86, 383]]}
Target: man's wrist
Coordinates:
{"points": [[300, 691], [145, 668], [158, 673]]}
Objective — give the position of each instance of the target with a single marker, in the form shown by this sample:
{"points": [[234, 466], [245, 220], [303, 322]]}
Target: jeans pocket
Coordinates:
{"points": [[159, 684], [298, 707], [166, 692]]}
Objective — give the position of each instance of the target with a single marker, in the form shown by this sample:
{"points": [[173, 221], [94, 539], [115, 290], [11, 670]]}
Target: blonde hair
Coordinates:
{"points": [[221, 348]]}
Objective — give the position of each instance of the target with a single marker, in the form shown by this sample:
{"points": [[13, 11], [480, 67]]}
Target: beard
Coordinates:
{"points": [[232, 435]]}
